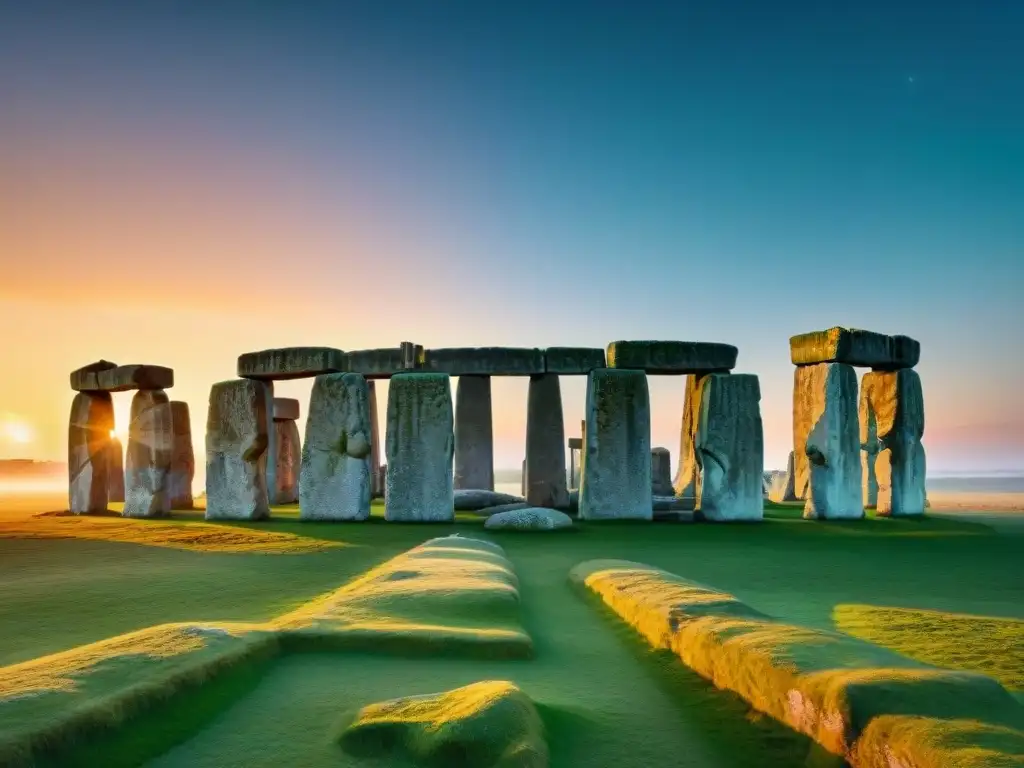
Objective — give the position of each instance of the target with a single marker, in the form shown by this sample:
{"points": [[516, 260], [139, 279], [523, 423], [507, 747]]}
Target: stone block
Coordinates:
{"points": [[286, 408], [729, 447], [853, 346], [103, 376], [685, 483], [672, 357], [616, 481], [183, 459], [528, 519], [89, 428], [236, 441], [485, 361], [115, 471], [376, 475], [568, 361], [420, 447], [378, 363], [891, 429], [474, 441], [783, 487], [412, 355], [289, 462], [470, 500], [291, 363], [544, 480], [148, 456], [85, 379], [661, 472], [334, 482]]}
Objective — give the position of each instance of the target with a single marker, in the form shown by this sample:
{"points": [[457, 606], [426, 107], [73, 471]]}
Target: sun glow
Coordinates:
{"points": [[16, 431], [122, 418]]}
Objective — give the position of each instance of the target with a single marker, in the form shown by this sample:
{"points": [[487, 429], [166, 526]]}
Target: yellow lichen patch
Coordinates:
{"points": [[193, 536], [987, 644], [490, 724]]}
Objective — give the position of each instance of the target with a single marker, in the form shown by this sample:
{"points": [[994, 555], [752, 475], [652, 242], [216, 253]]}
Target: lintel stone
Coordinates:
{"points": [[485, 361], [286, 409], [107, 377], [856, 347], [85, 378], [672, 357], [376, 363], [291, 363], [568, 361]]}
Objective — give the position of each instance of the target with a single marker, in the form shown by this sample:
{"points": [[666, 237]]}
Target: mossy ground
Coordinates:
{"points": [[605, 698]]}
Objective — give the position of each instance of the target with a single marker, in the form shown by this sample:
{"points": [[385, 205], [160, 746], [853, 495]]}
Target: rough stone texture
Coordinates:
{"points": [[544, 475], [573, 360], [474, 441], [473, 499], [493, 510], [85, 379], [89, 427], [268, 461], [148, 456], [522, 481], [420, 445], [892, 424], [412, 355], [868, 448], [104, 376], [854, 347], [485, 361], [236, 441], [529, 519], [671, 504], [289, 462], [376, 471], [685, 484], [783, 486], [377, 363], [285, 409], [661, 472], [291, 363], [115, 471], [616, 480], [730, 449], [672, 357], [825, 441], [334, 483], [183, 460]]}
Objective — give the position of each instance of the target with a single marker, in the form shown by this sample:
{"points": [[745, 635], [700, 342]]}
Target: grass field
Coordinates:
{"points": [[943, 591]]}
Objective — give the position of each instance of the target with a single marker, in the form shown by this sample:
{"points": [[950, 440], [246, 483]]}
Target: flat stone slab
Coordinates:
{"points": [[853, 346], [672, 357], [497, 508], [376, 363], [469, 499], [569, 361], [671, 504], [529, 519], [291, 363], [85, 379], [286, 409], [485, 361], [107, 377]]}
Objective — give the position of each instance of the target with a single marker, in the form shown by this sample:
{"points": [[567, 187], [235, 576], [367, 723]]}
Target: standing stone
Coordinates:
{"points": [[334, 483], [522, 481], [115, 471], [289, 461], [268, 462], [730, 449], [376, 476], [236, 441], [827, 449], [868, 447], [420, 447], [893, 404], [148, 458], [183, 459], [474, 441], [685, 485], [782, 487], [545, 484], [661, 472], [616, 480], [89, 428]]}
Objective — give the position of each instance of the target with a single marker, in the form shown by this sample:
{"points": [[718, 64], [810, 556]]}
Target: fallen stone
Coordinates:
{"points": [[115, 471], [616, 480], [544, 475], [685, 484], [485, 361], [89, 427], [854, 347], [474, 442], [289, 462], [420, 445], [236, 440], [376, 471], [468, 499], [334, 482], [183, 460], [286, 408], [672, 357], [783, 487], [569, 361], [291, 363], [148, 457], [892, 412], [85, 379], [730, 449], [376, 363], [827, 448], [529, 519], [661, 472], [671, 504], [497, 508]]}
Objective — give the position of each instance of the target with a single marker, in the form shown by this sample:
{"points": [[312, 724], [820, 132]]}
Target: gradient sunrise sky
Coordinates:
{"points": [[181, 182]]}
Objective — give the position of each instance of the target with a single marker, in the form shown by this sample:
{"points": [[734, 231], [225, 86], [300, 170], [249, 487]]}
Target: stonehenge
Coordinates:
{"points": [[474, 443], [544, 479], [147, 465], [89, 428], [183, 460], [236, 441]]}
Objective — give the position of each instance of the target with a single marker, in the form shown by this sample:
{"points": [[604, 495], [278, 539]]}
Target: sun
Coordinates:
{"points": [[17, 431]]}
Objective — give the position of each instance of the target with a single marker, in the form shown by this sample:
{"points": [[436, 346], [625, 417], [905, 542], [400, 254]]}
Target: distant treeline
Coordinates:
{"points": [[30, 468], [508, 475]]}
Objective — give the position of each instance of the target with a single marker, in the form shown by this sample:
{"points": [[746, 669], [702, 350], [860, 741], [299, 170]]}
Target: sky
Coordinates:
{"points": [[182, 182]]}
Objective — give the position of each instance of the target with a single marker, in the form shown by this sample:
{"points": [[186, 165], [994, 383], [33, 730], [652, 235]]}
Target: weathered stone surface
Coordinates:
{"points": [[671, 504], [376, 471], [544, 475], [529, 519], [104, 376], [115, 471], [826, 445], [568, 361], [148, 456], [412, 355], [183, 460], [289, 462], [376, 363], [616, 480], [291, 363], [671, 357], [85, 379], [730, 449], [334, 483], [661, 472], [853, 346], [485, 361], [89, 427], [471, 499], [236, 441], [783, 487], [474, 441], [685, 484], [891, 429], [268, 461], [420, 446], [495, 509], [286, 408], [868, 449]]}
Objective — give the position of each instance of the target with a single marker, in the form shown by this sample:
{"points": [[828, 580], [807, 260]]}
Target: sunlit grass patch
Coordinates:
{"points": [[987, 644], [924, 742]]}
